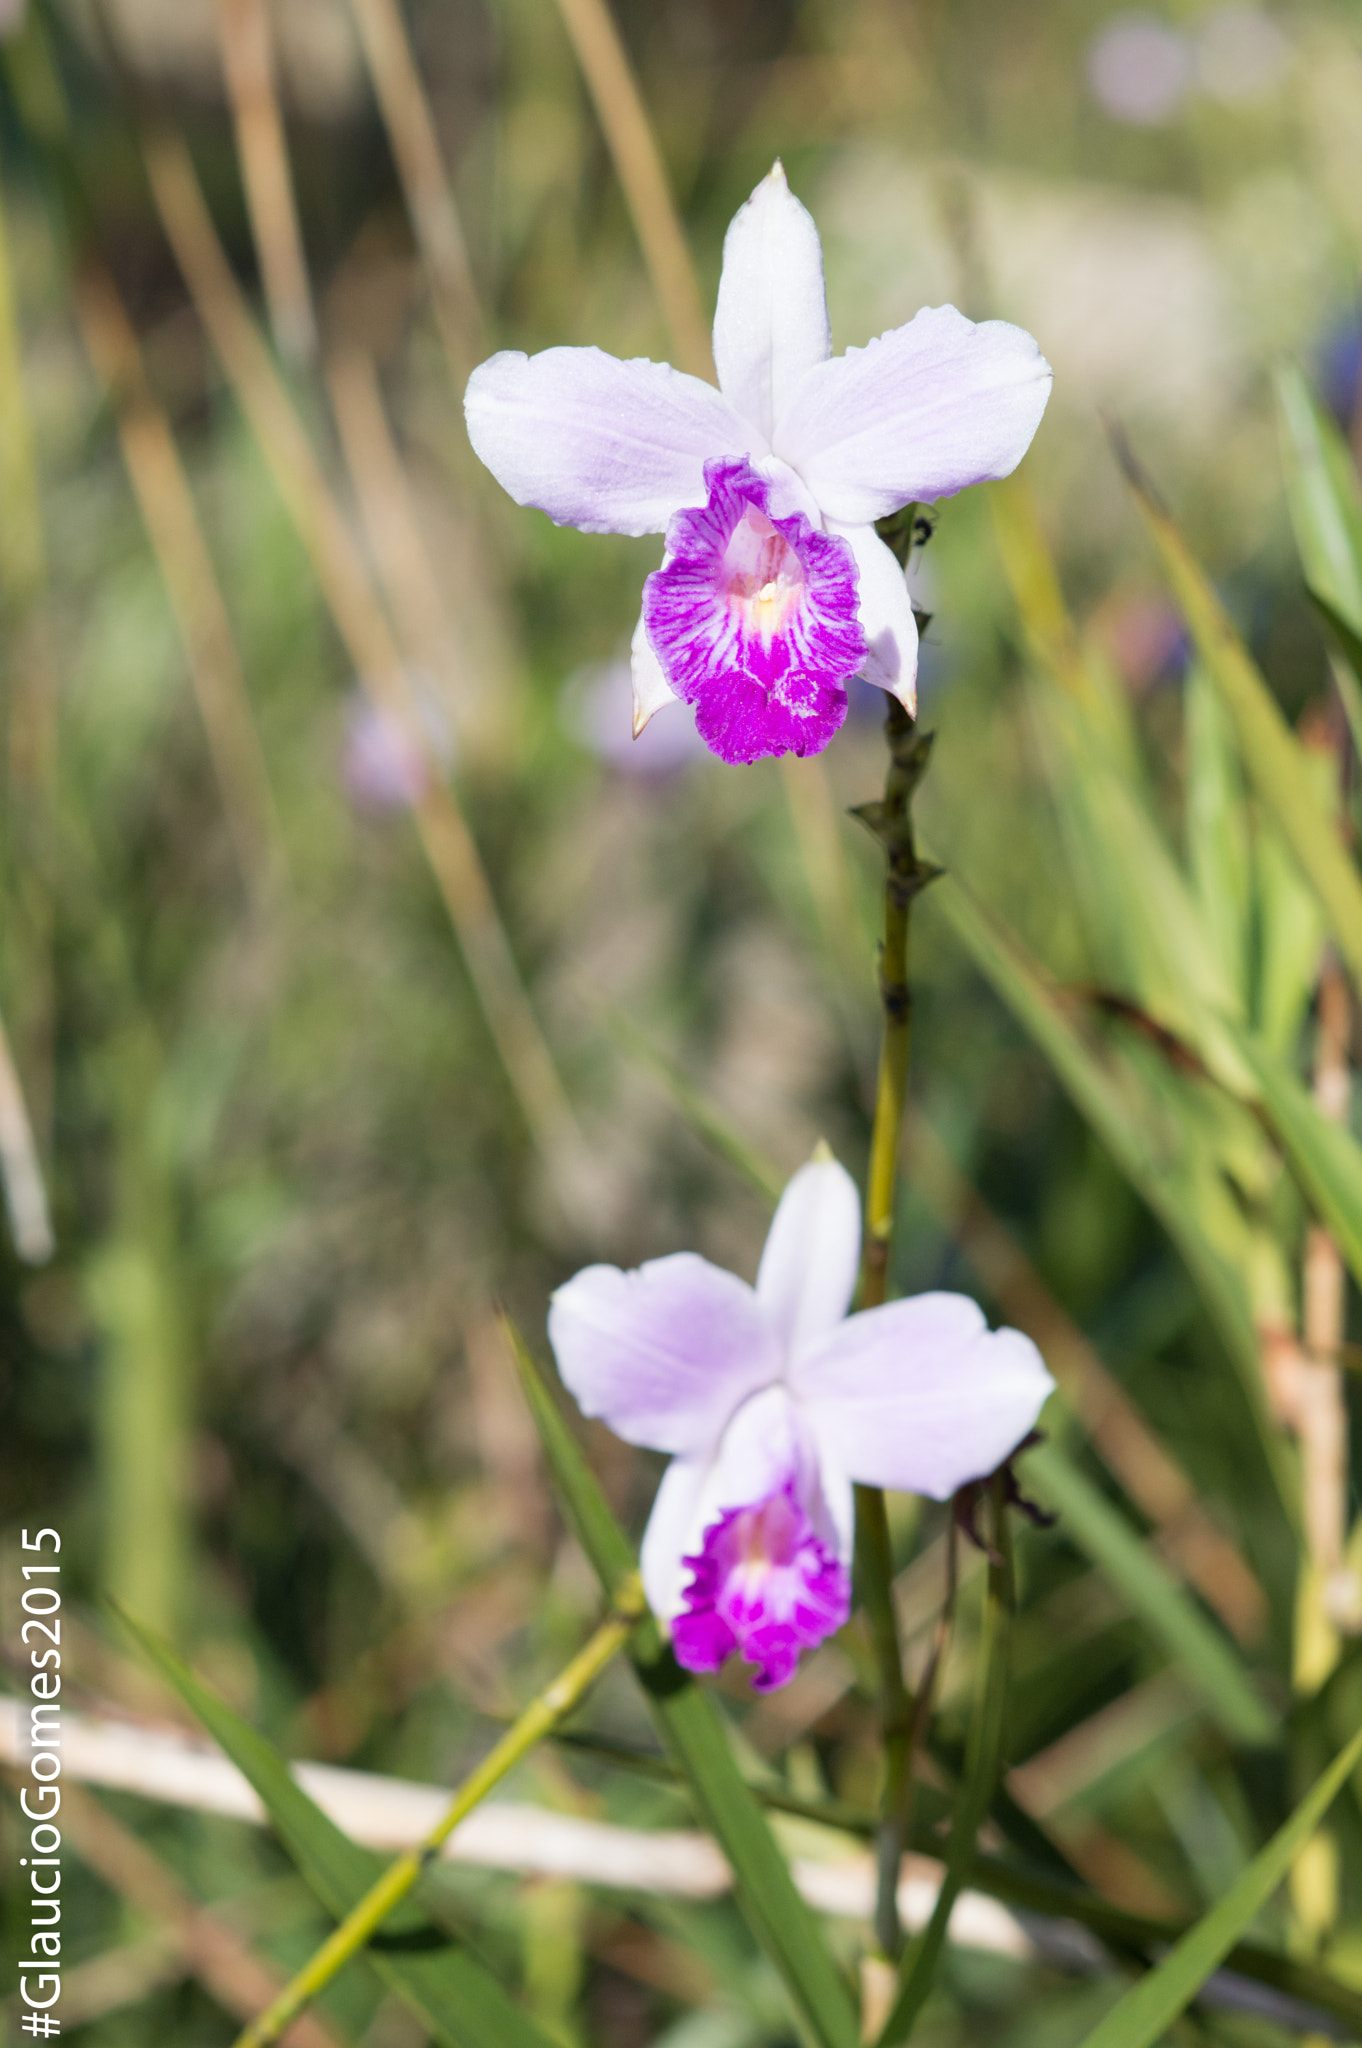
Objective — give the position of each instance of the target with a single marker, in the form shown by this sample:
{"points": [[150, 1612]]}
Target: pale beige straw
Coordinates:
{"points": [[643, 178], [344, 579], [248, 67], [172, 523]]}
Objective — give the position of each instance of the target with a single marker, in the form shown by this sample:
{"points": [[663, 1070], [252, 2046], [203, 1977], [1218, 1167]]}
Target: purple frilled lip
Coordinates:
{"points": [[755, 620], [772, 1402], [837, 443]]}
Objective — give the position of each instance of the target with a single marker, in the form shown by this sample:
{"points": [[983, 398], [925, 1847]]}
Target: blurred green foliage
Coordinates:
{"points": [[258, 1386]]}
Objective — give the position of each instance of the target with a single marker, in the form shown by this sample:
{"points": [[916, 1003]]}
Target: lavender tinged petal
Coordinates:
{"points": [[664, 1354], [808, 1269], [609, 446], [886, 616], [920, 1394], [918, 414], [771, 323]]}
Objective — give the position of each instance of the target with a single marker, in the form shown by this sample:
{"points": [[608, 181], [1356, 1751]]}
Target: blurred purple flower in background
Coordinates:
{"points": [[773, 1401], [1141, 69], [596, 707], [774, 589], [383, 766]]}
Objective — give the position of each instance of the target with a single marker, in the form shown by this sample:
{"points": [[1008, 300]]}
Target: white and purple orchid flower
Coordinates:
{"points": [[775, 589], [772, 1402]]}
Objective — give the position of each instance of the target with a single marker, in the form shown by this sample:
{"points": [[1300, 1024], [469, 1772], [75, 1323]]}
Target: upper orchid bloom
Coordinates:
{"points": [[773, 1401], [774, 588]]}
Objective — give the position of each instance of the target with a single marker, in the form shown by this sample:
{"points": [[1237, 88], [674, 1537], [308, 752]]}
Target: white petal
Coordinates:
{"points": [[769, 1444], [886, 615], [808, 1269], [608, 446], [651, 688], [920, 1394], [918, 414], [771, 322], [673, 1532], [663, 1354]]}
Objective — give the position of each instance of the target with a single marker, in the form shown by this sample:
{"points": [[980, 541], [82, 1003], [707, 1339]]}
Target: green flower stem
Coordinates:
{"points": [[890, 820], [983, 1754], [538, 1720]]}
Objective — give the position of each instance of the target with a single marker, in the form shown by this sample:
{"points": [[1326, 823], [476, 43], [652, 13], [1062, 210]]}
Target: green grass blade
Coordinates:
{"points": [[704, 1117], [1029, 1887], [780, 1921], [1206, 1658], [983, 1759], [1219, 847], [1324, 497], [1147, 2010], [1273, 756], [459, 2000], [1122, 1120], [1349, 638], [1325, 1158]]}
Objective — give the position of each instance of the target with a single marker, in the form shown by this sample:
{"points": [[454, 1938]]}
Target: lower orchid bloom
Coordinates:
{"points": [[775, 589], [773, 1401]]}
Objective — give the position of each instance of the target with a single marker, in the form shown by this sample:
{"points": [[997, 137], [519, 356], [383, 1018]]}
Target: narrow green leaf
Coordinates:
{"points": [[704, 1116], [983, 1759], [1148, 937], [1324, 1157], [1323, 495], [1126, 1123], [1273, 756], [458, 1999], [1291, 937], [1031, 1888], [1206, 1657], [780, 1921], [1219, 847], [1150, 2006]]}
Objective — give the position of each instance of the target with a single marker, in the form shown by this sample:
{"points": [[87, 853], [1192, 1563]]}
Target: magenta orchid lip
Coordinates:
{"points": [[754, 620], [773, 1401], [816, 445]]}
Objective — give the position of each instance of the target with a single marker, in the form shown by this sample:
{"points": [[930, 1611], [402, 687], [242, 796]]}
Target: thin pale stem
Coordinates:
{"points": [[1320, 1419], [171, 519], [247, 44], [426, 187], [345, 582], [643, 178], [538, 1720]]}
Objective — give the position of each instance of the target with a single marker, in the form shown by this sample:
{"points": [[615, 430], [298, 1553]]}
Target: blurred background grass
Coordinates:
{"points": [[298, 1129]]}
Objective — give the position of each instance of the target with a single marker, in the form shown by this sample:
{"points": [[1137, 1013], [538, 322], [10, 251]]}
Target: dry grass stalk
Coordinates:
{"points": [[391, 525], [248, 66], [392, 1813], [172, 523], [30, 737], [425, 182], [363, 626], [1323, 1419], [643, 178]]}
